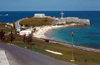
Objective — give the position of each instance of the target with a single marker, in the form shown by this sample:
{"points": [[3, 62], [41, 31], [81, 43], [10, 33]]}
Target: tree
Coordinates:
{"points": [[30, 39], [2, 34], [11, 35]]}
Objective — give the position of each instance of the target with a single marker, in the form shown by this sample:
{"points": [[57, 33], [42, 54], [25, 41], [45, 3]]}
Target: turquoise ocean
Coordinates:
{"points": [[88, 36]]}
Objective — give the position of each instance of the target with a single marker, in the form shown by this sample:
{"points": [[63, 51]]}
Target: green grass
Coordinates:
{"points": [[81, 57]]}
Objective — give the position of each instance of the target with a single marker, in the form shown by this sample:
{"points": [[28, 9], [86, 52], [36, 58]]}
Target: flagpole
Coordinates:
{"points": [[72, 47]]}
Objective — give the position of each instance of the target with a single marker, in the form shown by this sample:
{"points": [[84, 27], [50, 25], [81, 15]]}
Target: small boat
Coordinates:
{"points": [[6, 14]]}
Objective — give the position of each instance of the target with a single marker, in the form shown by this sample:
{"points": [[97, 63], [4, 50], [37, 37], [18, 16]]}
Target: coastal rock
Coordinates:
{"points": [[72, 20]]}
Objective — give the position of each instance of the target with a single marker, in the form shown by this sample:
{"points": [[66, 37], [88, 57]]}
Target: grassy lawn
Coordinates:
{"points": [[81, 57]]}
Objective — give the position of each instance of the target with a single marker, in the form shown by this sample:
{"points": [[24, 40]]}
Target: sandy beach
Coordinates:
{"points": [[41, 31]]}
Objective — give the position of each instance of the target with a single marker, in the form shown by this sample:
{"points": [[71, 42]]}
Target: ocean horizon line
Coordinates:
{"points": [[52, 10]]}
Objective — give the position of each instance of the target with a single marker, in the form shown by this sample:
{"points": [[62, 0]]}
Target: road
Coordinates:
{"points": [[17, 24], [21, 56]]}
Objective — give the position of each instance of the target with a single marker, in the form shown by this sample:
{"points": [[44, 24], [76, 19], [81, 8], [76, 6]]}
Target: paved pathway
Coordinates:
{"points": [[3, 58]]}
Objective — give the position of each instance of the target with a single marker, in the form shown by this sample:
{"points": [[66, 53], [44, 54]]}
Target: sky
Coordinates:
{"points": [[49, 5]]}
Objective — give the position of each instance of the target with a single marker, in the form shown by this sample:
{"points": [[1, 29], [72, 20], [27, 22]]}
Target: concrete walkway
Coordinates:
{"points": [[3, 58]]}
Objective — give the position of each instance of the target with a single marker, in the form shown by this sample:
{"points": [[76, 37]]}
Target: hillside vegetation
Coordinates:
{"points": [[36, 22]]}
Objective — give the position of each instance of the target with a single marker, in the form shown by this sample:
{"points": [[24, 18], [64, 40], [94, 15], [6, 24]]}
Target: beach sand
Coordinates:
{"points": [[41, 31]]}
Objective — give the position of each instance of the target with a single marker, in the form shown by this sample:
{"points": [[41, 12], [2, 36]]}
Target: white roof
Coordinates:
{"points": [[39, 15]]}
